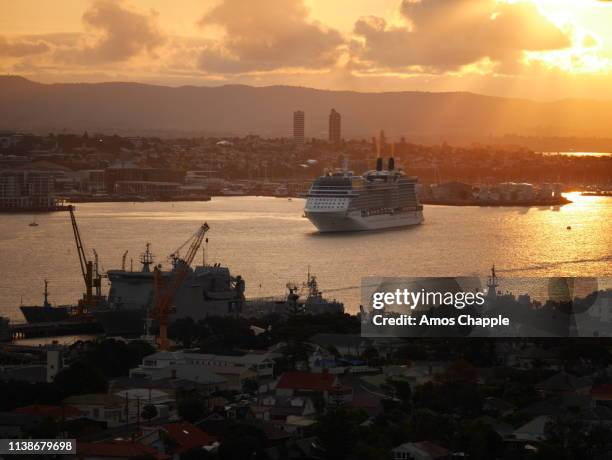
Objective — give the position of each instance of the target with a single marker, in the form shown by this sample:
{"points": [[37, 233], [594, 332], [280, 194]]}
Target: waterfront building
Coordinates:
{"points": [[23, 189], [116, 174], [261, 364]]}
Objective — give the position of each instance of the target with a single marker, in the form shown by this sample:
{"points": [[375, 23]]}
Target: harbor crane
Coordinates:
{"points": [[164, 294], [91, 276]]}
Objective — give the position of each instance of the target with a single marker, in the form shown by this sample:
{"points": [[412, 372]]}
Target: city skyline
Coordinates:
{"points": [[564, 48]]}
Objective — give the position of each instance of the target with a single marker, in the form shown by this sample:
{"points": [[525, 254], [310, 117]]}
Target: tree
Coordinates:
{"points": [[184, 330], [242, 441], [16, 394], [48, 427], [370, 356], [577, 438], [149, 412], [250, 386], [115, 358], [428, 425], [479, 440], [191, 409], [81, 378], [296, 352], [401, 390], [338, 431], [197, 454]]}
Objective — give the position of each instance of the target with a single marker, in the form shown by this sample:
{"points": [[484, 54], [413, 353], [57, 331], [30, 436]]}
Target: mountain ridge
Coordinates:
{"points": [[236, 109]]}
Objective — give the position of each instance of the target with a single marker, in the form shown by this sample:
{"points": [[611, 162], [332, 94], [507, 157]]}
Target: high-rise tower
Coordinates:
{"points": [[335, 126], [298, 127]]}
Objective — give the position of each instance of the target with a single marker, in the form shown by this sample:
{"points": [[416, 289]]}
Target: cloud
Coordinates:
{"points": [[115, 33], [267, 35], [442, 35], [17, 48]]}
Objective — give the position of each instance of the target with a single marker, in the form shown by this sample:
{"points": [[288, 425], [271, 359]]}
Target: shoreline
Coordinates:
{"points": [[488, 204], [427, 201]]}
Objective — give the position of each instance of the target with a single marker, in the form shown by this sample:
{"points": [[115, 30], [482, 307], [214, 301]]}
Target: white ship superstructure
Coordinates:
{"points": [[379, 199]]}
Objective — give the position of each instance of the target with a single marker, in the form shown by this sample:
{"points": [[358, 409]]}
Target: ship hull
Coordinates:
{"points": [[131, 322], [342, 221], [126, 323], [36, 314]]}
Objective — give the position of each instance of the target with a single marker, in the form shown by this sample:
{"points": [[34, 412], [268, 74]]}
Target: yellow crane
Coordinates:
{"points": [[164, 294], [89, 271]]}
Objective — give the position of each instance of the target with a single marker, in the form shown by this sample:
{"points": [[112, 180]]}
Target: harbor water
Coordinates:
{"points": [[268, 242]]}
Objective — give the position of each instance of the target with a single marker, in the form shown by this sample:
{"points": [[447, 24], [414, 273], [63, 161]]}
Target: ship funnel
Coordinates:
{"points": [[379, 164], [391, 164]]}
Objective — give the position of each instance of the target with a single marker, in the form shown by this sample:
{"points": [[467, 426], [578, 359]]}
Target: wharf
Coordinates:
{"points": [[53, 329]]}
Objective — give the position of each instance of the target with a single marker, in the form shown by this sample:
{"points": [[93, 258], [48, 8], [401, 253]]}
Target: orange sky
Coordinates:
{"points": [[543, 49]]}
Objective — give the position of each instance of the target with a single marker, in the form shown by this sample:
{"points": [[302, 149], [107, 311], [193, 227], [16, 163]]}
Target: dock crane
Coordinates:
{"points": [[164, 295], [91, 277], [123, 258]]}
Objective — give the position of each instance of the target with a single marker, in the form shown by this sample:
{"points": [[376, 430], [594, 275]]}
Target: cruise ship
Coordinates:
{"points": [[379, 199]]}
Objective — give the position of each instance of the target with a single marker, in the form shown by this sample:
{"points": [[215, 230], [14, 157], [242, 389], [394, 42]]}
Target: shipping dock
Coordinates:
{"points": [[53, 329]]}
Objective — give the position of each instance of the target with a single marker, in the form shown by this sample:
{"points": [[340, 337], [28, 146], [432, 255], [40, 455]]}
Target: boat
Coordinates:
{"points": [[281, 191], [315, 303], [92, 297], [208, 290], [33, 224], [307, 300], [234, 190], [46, 313], [379, 199]]}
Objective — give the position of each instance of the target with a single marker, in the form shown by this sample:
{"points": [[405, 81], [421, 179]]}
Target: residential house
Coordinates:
{"points": [[116, 450], [602, 394], [101, 407], [63, 412], [175, 439], [344, 344], [297, 449], [423, 450], [163, 401], [535, 357], [534, 430], [292, 384], [563, 382], [15, 425]]}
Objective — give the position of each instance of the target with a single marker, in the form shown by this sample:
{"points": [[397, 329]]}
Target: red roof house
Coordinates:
{"points": [[117, 450], [423, 450], [303, 383], [187, 436], [602, 392], [306, 381]]}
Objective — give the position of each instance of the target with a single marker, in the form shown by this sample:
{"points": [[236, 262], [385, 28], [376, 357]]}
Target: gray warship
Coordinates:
{"points": [[208, 290]]}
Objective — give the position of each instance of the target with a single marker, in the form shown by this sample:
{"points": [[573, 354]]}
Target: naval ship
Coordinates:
{"points": [[46, 312], [208, 290], [382, 198], [313, 303]]}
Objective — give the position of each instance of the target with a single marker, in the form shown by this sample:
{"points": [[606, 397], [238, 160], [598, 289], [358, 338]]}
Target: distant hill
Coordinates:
{"points": [[234, 109]]}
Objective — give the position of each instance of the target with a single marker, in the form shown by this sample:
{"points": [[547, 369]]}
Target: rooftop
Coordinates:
{"points": [[188, 436], [96, 399], [306, 381], [117, 449], [49, 411]]}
